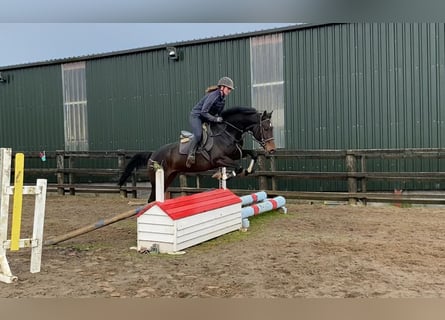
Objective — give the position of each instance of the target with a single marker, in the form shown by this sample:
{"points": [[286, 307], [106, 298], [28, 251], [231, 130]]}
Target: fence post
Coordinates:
{"points": [[351, 167], [121, 166], [262, 165], [198, 181], [60, 160], [363, 170], [71, 175], [273, 169], [183, 183]]}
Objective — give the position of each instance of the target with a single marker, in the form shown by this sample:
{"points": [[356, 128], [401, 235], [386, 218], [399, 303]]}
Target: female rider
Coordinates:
{"points": [[208, 109]]}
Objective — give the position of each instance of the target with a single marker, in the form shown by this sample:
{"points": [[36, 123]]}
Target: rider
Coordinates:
{"points": [[208, 109]]}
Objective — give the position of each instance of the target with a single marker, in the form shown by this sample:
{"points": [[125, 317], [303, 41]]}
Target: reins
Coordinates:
{"points": [[262, 142]]}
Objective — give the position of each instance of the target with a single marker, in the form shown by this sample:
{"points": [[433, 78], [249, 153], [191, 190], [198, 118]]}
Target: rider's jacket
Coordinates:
{"points": [[210, 106]]}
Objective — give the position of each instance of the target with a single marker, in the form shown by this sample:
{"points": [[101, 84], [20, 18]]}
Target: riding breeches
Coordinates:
{"points": [[196, 125]]}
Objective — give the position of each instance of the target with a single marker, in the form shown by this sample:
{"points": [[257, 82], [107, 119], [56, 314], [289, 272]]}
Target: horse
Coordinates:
{"points": [[227, 138]]}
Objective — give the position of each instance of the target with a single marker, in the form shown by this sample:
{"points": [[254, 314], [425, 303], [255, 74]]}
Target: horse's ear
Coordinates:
{"points": [[266, 115]]}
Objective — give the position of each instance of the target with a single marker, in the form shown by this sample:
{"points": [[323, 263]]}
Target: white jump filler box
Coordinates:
{"points": [[182, 222]]}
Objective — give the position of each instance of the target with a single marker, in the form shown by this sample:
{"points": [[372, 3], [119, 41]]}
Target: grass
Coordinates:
{"points": [[257, 224]]}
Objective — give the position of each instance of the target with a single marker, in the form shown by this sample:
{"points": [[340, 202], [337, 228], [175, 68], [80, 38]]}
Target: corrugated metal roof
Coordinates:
{"points": [[157, 47]]}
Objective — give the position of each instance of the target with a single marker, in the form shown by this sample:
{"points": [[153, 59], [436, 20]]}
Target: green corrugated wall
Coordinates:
{"points": [[31, 117], [365, 86], [357, 86], [347, 86], [142, 101]]}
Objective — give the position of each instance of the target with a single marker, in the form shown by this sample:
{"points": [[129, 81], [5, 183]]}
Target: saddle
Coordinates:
{"points": [[205, 144]]}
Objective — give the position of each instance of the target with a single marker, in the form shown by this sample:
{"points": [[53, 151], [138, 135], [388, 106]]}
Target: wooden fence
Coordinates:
{"points": [[63, 167]]}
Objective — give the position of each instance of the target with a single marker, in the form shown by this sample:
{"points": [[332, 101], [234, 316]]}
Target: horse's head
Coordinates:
{"points": [[246, 119], [263, 132]]}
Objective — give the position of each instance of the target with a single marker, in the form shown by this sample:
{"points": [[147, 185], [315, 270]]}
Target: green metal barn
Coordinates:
{"points": [[331, 86]]}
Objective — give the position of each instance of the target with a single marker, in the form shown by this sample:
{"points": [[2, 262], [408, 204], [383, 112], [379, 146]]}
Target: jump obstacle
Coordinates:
{"points": [[257, 203], [17, 191], [175, 224], [206, 215]]}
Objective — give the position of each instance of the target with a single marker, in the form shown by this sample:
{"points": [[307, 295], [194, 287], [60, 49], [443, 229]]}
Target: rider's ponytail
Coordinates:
{"points": [[211, 88]]}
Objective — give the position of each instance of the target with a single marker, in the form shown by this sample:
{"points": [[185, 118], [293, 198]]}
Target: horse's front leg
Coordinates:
{"points": [[240, 171], [238, 168], [253, 159], [227, 163]]}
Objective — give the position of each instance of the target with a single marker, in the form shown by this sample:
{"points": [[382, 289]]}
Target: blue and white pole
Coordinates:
{"points": [[260, 207]]}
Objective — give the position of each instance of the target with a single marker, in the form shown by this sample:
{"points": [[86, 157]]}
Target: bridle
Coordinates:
{"points": [[262, 131], [258, 125]]}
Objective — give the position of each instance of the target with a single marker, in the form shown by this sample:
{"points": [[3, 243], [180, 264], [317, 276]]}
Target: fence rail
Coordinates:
{"points": [[66, 172]]}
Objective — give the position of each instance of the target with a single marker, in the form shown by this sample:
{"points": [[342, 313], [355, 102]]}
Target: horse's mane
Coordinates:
{"points": [[237, 110]]}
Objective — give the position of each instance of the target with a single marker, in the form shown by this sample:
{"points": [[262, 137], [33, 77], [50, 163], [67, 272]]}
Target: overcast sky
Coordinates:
{"points": [[34, 31], [35, 42]]}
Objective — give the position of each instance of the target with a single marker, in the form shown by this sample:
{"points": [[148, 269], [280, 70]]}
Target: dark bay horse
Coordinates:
{"points": [[227, 148]]}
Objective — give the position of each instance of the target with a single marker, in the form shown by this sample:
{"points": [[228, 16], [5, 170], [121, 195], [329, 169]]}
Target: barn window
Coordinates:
{"points": [[266, 56], [75, 106]]}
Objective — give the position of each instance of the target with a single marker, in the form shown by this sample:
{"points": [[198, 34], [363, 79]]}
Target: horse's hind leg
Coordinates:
{"points": [[168, 179]]}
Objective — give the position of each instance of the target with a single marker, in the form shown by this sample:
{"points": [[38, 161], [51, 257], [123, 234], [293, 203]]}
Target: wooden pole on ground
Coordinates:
{"points": [[99, 224], [104, 222]]}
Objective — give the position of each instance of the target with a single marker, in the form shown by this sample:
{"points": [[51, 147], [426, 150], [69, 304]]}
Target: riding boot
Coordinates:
{"points": [[191, 154]]}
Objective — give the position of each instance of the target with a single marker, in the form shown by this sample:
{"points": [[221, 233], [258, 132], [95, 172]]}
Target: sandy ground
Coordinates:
{"points": [[314, 250]]}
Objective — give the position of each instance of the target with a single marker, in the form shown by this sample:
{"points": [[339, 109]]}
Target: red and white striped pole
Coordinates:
{"points": [[252, 198], [260, 207]]}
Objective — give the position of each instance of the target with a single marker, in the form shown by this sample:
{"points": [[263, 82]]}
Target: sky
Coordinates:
{"points": [[35, 31], [37, 42]]}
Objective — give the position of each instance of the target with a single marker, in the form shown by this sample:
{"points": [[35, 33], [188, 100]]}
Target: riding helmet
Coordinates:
{"points": [[226, 81]]}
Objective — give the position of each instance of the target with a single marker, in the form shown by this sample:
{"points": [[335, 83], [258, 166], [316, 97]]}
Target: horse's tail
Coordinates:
{"points": [[137, 161]]}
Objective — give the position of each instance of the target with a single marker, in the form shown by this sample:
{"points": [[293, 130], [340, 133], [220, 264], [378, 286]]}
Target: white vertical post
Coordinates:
{"points": [[37, 233], [160, 185], [5, 178], [223, 180], [36, 242]]}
